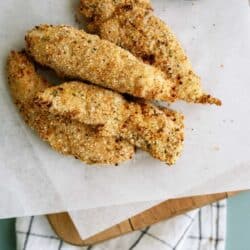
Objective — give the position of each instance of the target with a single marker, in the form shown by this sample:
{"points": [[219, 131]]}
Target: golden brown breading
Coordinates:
{"points": [[102, 10], [24, 82], [88, 104], [160, 132], [132, 25], [76, 54], [157, 131], [64, 135]]}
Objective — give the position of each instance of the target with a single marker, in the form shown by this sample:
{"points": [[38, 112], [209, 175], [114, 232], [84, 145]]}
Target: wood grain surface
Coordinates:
{"points": [[65, 229]]}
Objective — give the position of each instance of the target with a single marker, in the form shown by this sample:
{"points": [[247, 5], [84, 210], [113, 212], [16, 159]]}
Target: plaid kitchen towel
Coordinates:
{"points": [[202, 229]]}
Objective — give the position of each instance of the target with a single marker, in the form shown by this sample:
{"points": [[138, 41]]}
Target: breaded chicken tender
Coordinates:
{"points": [[132, 25], [88, 104], [157, 131], [67, 136], [76, 54]]}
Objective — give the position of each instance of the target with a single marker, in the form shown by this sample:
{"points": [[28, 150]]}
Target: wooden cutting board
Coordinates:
{"points": [[65, 229]]}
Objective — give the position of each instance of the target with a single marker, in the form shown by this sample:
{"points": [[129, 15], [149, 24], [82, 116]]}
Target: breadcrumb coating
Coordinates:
{"points": [[102, 10], [157, 131], [132, 25], [24, 82], [67, 136], [79, 55], [85, 103]]}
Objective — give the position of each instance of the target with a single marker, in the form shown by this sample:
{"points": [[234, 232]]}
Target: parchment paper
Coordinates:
{"points": [[216, 34]]}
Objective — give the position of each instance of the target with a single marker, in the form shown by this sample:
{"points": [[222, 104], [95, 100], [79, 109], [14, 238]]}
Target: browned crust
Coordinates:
{"points": [[78, 55], [132, 25], [157, 131], [65, 135]]}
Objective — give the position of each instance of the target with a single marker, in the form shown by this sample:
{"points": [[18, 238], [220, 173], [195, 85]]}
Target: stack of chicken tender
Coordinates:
{"points": [[107, 107]]}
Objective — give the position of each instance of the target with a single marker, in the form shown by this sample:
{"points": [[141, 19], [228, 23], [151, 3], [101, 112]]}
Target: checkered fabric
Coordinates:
{"points": [[202, 229]]}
